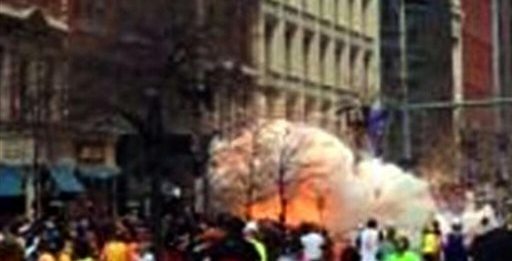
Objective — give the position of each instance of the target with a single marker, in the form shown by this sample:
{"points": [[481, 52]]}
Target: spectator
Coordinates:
{"points": [[233, 247], [369, 240], [455, 250], [350, 252], [495, 245], [403, 252], [66, 251], [45, 252], [431, 243], [115, 249], [252, 235], [388, 245], [84, 252], [313, 243]]}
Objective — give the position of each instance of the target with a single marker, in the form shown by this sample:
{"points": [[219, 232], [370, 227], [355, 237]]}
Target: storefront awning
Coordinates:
{"points": [[11, 182], [102, 172], [66, 180]]}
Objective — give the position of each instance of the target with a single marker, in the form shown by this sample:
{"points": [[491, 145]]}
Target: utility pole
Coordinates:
{"points": [[406, 124], [153, 160]]}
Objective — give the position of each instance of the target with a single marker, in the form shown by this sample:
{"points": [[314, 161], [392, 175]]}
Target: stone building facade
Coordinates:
{"points": [[304, 59], [53, 52], [33, 87], [33, 74], [310, 54]]}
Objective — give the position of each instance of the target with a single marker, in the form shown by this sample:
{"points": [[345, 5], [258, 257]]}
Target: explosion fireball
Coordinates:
{"points": [[321, 181]]}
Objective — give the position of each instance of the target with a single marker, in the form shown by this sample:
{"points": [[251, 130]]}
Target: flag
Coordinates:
{"points": [[376, 122]]}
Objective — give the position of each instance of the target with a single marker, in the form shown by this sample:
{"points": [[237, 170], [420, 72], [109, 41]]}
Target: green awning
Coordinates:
{"points": [[102, 172], [11, 182], [66, 180]]}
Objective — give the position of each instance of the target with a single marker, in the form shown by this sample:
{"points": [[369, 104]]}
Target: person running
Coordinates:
{"points": [[370, 241], [454, 249], [403, 252]]}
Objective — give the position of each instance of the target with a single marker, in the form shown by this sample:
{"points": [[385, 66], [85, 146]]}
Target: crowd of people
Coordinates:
{"points": [[229, 238], [489, 244]]}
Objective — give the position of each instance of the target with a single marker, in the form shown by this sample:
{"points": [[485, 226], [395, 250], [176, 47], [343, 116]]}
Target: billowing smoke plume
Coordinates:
{"points": [[322, 181]]}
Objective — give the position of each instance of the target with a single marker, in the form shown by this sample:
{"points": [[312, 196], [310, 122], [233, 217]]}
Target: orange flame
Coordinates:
{"points": [[306, 205]]}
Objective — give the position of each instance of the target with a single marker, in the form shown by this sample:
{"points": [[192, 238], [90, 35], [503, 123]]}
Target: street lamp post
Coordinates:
{"points": [[153, 160], [406, 121]]}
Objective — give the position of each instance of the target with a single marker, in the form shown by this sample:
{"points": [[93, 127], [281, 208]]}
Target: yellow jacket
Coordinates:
{"points": [[431, 243]]}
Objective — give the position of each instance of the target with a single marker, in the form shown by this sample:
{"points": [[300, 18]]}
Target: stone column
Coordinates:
{"points": [[260, 104], [281, 97], [291, 107], [278, 49], [313, 112], [297, 55], [314, 59], [300, 107], [330, 64]]}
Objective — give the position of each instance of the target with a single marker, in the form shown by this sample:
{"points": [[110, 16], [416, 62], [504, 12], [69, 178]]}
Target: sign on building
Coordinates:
{"points": [[16, 150]]}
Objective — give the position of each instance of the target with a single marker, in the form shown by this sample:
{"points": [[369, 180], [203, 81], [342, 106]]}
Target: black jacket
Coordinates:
{"points": [[495, 245]]}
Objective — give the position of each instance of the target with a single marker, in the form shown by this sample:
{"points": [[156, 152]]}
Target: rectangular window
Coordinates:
{"points": [[2, 82], [306, 50], [17, 86], [289, 47], [324, 44], [93, 153], [92, 13], [337, 64], [269, 31], [352, 68], [48, 90], [64, 7]]}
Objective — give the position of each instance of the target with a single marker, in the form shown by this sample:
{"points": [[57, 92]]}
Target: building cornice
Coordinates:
{"points": [[29, 12]]}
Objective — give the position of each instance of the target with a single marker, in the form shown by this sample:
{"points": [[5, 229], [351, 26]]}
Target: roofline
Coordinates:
{"points": [[28, 12]]}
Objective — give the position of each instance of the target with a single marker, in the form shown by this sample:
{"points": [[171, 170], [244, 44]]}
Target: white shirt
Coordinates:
{"points": [[147, 257], [312, 244], [369, 244]]}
